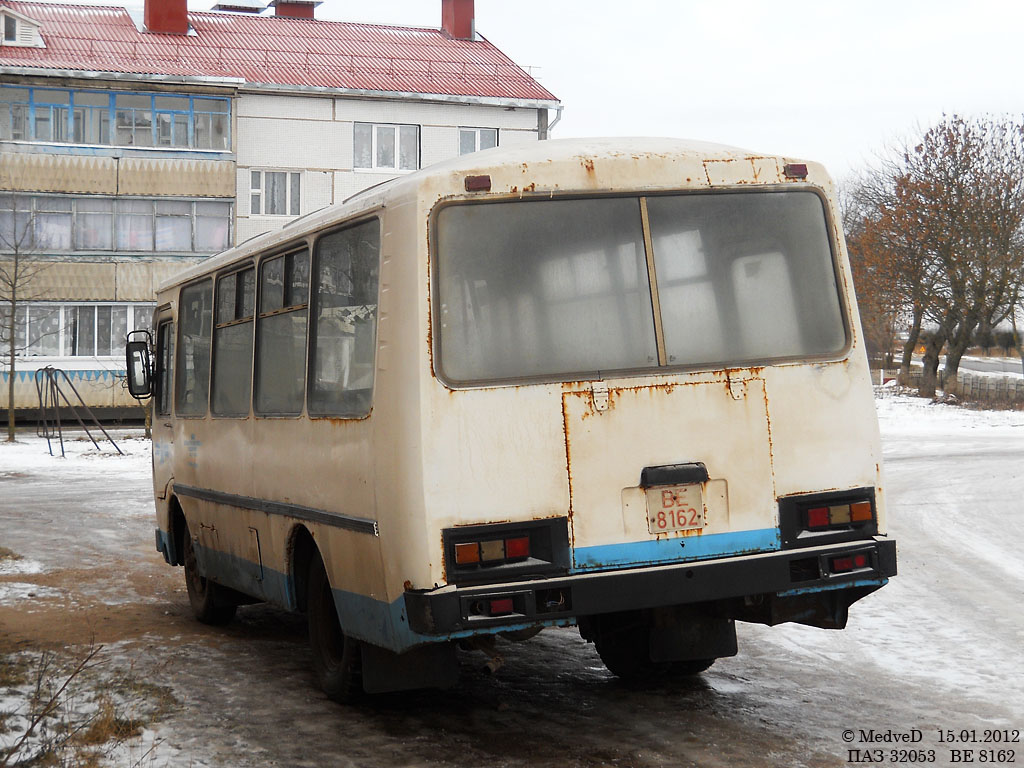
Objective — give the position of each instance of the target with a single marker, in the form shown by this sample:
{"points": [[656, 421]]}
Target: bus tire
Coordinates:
{"points": [[208, 603], [627, 657], [336, 658]]}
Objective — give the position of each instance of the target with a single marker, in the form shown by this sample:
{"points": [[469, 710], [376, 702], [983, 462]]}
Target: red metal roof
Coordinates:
{"points": [[269, 50]]}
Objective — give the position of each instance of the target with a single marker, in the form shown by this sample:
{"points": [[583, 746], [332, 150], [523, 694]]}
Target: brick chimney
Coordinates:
{"points": [[167, 17], [295, 9], [457, 18]]}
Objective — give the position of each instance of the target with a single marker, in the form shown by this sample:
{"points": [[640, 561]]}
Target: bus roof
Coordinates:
{"points": [[530, 164]]}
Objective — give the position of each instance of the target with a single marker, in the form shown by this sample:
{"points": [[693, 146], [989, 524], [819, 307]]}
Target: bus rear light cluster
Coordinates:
{"points": [[840, 514], [492, 551], [492, 607], [848, 563]]}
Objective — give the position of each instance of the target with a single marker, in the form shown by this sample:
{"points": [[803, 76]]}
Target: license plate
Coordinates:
{"points": [[675, 508]]}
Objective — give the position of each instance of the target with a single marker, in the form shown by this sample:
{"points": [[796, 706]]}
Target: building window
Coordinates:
{"points": [[474, 139], [139, 119], [53, 223], [275, 193], [77, 329], [10, 29], [386, 147]]}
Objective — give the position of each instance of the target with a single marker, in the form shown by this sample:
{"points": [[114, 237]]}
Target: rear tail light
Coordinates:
{"points": [[492, 550], [517, 548], [504, 605], [817, 517], [847, 563], [860, 511], [838, 515], [467, 554], [842, 564]]}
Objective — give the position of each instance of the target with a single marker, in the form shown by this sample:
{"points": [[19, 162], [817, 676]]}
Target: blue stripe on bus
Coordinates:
{"points": [[363, 617], [881, 581], [387, 624], [675, 550]]}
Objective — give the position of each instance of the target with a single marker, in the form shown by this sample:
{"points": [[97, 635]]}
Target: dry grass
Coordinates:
{"points": [[76, 712], [108, 725], [8, 554]]}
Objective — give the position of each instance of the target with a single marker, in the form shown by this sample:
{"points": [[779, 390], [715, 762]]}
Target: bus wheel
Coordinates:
{"points": [[208, 605], [627, 656], [336, 658]]}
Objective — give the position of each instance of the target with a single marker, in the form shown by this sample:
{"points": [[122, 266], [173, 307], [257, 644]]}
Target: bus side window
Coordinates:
{"points": [[165, 367], [232, 343], [195, 323], [281, 334], [344, 334]]}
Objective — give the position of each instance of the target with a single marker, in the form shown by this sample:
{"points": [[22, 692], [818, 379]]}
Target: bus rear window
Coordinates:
{"points": [[561, 288]]}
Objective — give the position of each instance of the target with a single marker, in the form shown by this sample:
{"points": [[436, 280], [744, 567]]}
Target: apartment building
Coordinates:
{"points": [[134, 144]]}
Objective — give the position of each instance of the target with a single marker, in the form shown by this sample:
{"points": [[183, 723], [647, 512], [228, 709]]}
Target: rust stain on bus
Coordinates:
{"points": [[568, 473], [430, 304]]}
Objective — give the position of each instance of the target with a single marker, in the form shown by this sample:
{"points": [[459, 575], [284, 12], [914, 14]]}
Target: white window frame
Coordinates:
{"points": [[139, 315], [259, 192], [476, 137], [374, 133]]}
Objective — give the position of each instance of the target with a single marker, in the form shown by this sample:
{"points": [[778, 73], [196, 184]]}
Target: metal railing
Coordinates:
{"points": [[52, 387]]}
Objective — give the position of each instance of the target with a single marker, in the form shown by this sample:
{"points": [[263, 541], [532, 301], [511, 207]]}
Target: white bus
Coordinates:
{"points": [[617, 384]]}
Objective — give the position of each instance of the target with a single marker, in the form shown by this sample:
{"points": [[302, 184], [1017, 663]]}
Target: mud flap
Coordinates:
{"points": [[429, 666], [683, 636]]}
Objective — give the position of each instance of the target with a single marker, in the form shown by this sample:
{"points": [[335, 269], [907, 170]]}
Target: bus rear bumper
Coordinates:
{"points": [[812, 585]]}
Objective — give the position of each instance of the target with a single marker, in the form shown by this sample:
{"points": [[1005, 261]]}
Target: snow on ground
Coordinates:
{"points": [[952, 617], [939, 646], [30, 453]]}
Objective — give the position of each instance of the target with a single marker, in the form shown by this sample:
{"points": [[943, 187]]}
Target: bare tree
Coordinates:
{"points": [[943, 222], [20, 267]]}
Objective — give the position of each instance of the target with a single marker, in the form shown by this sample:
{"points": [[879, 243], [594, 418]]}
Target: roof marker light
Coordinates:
{"points": [[478, 183], [795, 170]]}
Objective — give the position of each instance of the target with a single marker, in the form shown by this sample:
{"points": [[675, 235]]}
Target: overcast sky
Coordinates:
{"points": [[824, 80], [828, 81]]}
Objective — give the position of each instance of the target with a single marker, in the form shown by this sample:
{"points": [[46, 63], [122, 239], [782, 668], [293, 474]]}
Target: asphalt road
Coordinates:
{"points": [[991, 365], [938, 649]]}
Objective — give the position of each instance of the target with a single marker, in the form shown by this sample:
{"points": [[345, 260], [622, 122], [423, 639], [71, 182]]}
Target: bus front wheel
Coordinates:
{"points": [[208, 604], [336, 658]]}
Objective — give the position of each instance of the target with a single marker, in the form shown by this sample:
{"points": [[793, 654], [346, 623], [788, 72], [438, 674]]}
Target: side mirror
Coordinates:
{"points": [[140, 367]]}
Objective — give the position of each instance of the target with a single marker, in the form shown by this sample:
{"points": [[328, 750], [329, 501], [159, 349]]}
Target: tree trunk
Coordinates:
{"points": [[929, 376], [908, 347], [949, 371], [959, 341], [10, 376]]}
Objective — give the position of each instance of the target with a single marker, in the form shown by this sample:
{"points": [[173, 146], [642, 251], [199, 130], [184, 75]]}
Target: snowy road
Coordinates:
{"points": [[938, 648]]}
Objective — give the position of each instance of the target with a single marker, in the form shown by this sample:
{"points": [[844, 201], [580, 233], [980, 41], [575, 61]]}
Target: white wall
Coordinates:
{"points": [[314, 135]]}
